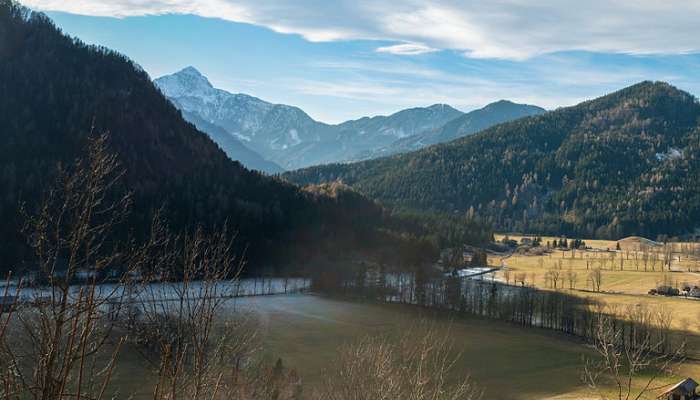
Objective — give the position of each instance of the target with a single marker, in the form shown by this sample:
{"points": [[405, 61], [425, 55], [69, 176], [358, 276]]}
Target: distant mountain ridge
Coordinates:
{"points": [[622, 164], [464, 125], [287, 136]]}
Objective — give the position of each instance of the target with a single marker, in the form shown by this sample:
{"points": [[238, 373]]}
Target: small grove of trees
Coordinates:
{"points": [[565, 243]]}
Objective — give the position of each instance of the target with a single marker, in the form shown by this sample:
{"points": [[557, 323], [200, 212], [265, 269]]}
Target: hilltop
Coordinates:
{"points": [[622, 164]]}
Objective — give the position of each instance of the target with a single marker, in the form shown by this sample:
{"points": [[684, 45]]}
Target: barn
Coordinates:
{"points": [[683, 390]]}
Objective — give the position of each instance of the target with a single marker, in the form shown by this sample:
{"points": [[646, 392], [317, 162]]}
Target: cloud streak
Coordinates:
{"points": [[406, 49], [498, 29]]}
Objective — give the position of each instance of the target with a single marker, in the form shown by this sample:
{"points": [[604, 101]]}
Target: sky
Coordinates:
{"points": [[344, 59]]}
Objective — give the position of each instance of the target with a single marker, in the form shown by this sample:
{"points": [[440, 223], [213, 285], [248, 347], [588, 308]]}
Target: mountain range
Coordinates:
{"points": [[286, 136], [625, 163]]}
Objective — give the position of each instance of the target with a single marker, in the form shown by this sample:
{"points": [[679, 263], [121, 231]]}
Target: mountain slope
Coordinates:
{"points": [[232, 146], [464, 125], [285, 134], [55, 88], [269, 129], [626, 163], [477, 120], [351, 139]]}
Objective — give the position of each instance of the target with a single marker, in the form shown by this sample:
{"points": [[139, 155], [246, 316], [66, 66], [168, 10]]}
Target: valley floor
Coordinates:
{"points": [[507, 361]]}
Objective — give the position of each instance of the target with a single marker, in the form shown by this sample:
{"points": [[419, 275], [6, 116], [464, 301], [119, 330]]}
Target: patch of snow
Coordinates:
{"points": [[671, 154], [294, 136], [242, 136], [467, 272]]}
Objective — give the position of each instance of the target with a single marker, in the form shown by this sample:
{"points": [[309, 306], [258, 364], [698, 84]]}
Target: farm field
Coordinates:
{"points": [[625, 280], [307, 332]]}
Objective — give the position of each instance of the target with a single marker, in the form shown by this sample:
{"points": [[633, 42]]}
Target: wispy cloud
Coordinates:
{"points": [[391, 94], [406, 49], [500, 29], [348, 90]]}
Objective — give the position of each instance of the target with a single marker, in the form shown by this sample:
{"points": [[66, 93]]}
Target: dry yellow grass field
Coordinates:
{"points": [[625, 276]]}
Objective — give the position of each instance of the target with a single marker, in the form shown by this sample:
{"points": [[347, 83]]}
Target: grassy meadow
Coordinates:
{"points": [[507, 361]]}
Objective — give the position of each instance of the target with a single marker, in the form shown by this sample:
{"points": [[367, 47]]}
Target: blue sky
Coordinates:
{"points": [[341, 59]]}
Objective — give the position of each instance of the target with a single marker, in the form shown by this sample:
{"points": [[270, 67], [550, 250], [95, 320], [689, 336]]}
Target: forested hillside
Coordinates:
{"points": [[626, 163], [57, 90]]}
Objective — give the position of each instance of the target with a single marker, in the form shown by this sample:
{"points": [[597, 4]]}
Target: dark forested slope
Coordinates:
{"points": [[55, 90], [625, 163]]}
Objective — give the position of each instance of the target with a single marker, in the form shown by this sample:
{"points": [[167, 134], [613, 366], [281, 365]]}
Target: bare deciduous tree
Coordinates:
{"points": [[595, 277], [415, 367], [194, 350], [571, 277], [632, 367], [60, 343], [93, 291]]}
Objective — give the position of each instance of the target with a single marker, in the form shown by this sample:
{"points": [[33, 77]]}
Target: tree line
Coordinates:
{"points": [[422, 285]]}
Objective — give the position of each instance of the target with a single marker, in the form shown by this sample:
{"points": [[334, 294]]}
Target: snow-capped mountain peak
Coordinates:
{"points": [[187, 82]]}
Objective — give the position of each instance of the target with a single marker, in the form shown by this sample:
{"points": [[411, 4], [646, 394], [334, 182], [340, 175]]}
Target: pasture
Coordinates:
{"points": [[307, 331]]}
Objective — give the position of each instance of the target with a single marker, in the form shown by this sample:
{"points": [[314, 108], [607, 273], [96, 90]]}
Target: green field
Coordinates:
{"points": [[306, 331], [505, 360]]}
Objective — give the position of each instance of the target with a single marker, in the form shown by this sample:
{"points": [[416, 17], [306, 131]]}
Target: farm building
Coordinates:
{"points": [[636, 243], [694, 292], [683, 390]]}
